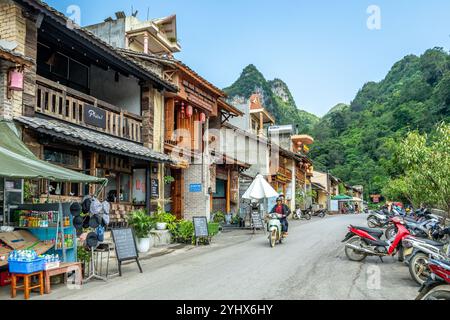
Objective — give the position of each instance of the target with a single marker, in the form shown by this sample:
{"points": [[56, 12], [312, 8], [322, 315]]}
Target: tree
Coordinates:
{"points": [[425, 160]]}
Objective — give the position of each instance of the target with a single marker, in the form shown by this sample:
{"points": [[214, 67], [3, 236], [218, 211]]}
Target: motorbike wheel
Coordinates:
{"points": [[354, 255], [372, 223], [390, 232], [438, 293], [401, 254], [418, 268], [273, 238], [295, 217], [308, 216]]}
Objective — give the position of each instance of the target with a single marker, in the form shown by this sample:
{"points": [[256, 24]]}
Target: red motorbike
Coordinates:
{"points": [[363, 242], [437, 287]]}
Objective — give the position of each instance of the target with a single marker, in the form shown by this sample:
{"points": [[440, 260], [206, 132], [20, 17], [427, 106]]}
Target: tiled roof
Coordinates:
{"points": [[92, 139], [15, 56], [93, 39], [173, 61]]}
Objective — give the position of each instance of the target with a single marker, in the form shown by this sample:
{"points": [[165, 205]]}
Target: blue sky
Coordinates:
{"points": [[322, 49]]}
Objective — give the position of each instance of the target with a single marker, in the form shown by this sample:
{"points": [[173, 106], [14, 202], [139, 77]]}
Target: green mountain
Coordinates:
{"points": [[355, 141], [276, 96]]}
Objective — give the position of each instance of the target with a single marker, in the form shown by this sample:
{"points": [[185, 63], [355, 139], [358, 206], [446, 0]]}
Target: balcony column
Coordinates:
{"points": [[146, 43]]}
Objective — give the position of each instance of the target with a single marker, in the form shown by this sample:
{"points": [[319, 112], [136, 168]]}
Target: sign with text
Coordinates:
{"points": [[125, 245], [155, 188], [257, 222], [94, 116], [195, 188], [201, 227]]}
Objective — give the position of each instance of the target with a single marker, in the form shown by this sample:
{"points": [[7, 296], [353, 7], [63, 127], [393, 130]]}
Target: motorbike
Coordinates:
{"points": [[320, 213], [363, 242], [300, 214], [417, 253], [275, 229], [424, 227], [437, 286], [378, 219]]}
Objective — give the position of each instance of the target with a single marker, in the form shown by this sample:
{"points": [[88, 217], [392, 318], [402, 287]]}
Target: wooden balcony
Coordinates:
{"points": [[58, 101]]}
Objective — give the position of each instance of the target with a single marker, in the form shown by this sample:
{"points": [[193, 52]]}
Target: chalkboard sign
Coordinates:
{"points": [[201, 227], [257, 221], [155, 188], [125, 245]]}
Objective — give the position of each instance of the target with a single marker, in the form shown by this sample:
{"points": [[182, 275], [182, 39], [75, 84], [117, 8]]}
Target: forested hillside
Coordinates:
{"points": [[277, 98], [355, 141]]}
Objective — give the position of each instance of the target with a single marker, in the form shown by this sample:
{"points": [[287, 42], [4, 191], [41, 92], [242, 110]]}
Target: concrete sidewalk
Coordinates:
{"points": [[156, 257]]}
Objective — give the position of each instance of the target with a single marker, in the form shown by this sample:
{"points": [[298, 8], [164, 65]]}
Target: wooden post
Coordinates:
{"points": [[228, 190], [93, 171]]}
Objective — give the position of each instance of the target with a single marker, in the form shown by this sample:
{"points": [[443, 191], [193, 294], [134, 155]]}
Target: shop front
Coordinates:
{"points": [[130, 169], [35, 236]]}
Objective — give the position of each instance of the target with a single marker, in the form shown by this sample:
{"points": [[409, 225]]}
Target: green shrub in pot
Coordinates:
{"points": [[142, 224]]}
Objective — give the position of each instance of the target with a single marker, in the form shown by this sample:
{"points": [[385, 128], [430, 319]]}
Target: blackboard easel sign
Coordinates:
{"points": [[201, 229], [257, 222], [125, 245]]}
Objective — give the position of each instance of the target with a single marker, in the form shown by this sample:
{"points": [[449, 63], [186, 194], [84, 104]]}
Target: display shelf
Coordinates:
{"points": [[49, 227]]}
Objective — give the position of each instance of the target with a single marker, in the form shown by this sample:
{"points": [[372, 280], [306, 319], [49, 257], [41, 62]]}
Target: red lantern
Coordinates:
{"points": [[203, 117], [182, 109], [189, 111]]}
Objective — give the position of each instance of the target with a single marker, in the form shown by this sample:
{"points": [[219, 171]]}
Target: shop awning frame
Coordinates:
{"points": [[18, 162]]}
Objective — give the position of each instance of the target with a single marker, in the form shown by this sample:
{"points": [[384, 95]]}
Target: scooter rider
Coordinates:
{"points": [[283, 211]]}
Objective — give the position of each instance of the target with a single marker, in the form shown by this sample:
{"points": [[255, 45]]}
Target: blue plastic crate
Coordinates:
{"points": [[26, 267]]}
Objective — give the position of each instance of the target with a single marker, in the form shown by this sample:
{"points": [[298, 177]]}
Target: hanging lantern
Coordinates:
{"points": [[202, 117], [15, 80], [189, 111], [182, 110]]}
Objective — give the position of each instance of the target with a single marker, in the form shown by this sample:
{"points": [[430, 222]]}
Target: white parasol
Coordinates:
{"points": [[260, 189]]}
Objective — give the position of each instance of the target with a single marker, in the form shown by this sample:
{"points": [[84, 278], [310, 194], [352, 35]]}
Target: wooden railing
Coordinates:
{"points": [[58, 101]]}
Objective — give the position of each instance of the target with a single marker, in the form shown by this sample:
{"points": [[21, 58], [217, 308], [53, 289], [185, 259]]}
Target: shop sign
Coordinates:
{"points": [[195, 188], [94, 116], [376, 198], [155, 188]]}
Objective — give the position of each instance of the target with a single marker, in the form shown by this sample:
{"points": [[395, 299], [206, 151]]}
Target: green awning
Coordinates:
{"points": [[341, 197], [18, 162]]}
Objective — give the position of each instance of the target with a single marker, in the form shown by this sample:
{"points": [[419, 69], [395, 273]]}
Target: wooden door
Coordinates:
{"points": [[177, 194]]}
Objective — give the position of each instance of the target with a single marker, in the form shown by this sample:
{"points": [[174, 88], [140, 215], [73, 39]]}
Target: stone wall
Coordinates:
{"points": [[196, 203], [22, 31]]}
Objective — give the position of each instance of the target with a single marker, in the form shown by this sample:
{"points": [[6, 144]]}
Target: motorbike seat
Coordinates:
{"points": [[376, 232], [408, 219], [433, 243], [379, 243]]}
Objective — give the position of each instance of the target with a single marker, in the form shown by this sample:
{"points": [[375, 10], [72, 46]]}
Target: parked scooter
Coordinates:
{"points": [[362, 242], [275, 229], [378, 219], [320, 213], [423, 228], [417, 253], [437, 286], [300, 214]]}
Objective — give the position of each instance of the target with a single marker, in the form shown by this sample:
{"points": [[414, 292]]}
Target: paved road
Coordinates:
{"points": [[310, 265]]}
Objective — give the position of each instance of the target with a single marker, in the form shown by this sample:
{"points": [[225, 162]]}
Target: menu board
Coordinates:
{"points": [[257, 222], [125, 244], [155, 188], [201, 227]]}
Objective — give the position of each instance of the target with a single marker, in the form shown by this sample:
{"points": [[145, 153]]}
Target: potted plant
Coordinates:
{"points": [[164, 220], [142, 224]]}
